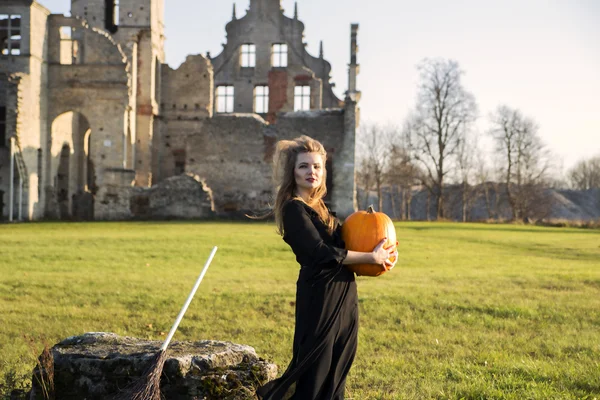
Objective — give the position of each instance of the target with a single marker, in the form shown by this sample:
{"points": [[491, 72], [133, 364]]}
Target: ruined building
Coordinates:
{"points": [[90, 113]]}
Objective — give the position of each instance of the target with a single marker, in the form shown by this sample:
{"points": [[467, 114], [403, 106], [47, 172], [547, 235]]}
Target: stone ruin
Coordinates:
{"points": [[177, 197], [99, 365], [89, 108]]}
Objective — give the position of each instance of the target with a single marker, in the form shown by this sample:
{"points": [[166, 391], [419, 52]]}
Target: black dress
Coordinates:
{"points": [[326, 335]]}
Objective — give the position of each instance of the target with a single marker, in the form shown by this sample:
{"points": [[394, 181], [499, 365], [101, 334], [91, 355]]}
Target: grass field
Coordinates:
{"points": [[470, 312]]}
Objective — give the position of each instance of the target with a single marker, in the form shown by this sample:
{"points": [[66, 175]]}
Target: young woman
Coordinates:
{"points": [[325, 338]]}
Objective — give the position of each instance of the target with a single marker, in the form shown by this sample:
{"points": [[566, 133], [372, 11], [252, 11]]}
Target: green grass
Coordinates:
{"points": [[470, 312]]}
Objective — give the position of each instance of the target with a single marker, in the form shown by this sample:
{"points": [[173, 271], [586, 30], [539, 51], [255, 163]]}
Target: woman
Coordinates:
{"points": [[325, 337]]}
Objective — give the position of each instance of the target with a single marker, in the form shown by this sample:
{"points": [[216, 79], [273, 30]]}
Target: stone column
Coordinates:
{"points": [[353, 67], [344, 178], [344, 183], [144, 110]]}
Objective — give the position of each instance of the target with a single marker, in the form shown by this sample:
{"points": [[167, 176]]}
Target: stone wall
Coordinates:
{"points": [[112, 200], [24, 85], [233, 155], [140, 32], [187, 92], [230, 153], [96, 90], [186, 97], [5, 147]]}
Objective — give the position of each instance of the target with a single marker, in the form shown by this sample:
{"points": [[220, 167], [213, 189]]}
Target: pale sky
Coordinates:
{"points": [[541, 56]]}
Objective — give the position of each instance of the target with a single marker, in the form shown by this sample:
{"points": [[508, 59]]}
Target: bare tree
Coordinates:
{"points": [[445, 111], [467, 150], [525, 162], [585, 174], [364, 180], [403, 174], [486, 184], [373, 154]]}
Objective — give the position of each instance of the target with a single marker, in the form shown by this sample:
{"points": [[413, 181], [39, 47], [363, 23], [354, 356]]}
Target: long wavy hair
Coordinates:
{"points": [[284, 163]]}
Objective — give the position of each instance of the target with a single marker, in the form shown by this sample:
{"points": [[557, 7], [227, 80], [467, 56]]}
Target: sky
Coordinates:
{"points": [[540, 56]]}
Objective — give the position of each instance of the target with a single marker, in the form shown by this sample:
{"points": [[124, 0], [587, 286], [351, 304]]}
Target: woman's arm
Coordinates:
{"points": [[379, 256], [305, 240]]}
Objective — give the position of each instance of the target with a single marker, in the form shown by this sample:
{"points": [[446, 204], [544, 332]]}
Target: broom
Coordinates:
{"points": [[148, 386]]}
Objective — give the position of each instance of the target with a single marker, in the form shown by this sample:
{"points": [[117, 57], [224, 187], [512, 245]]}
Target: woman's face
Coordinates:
{"points": [[308, 171]]}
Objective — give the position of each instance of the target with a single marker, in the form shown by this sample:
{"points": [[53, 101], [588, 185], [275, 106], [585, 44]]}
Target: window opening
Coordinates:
{"points": [[10, 34], [279, 56], [248, 56], [179, 156], [302, 98], [261, 99], [225, 99], [111, 18], [67, 46]]}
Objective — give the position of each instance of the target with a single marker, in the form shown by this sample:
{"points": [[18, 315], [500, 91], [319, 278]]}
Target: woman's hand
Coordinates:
{"points": [[395, 256], [381, 256]]}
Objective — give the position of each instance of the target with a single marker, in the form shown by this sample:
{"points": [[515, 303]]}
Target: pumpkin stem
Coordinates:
{"points": [[370, 210]]}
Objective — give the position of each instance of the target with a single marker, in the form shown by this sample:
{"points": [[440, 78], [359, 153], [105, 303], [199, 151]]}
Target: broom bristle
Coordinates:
{"points": [[147, 387]]}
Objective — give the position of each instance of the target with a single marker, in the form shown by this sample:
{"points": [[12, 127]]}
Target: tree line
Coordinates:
{"points": [[439, 145]]}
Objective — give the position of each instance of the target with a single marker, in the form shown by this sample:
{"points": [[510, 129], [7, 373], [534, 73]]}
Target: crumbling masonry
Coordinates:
{"points": [[90, 113]]}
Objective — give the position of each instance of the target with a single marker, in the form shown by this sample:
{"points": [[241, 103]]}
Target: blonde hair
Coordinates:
{"points": [[284, 163]]}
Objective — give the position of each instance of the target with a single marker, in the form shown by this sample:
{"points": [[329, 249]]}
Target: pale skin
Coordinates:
{"points": [[308, 174]]}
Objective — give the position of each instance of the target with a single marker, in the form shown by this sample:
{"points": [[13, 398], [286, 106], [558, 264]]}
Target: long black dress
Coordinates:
{"points": [[326, 335]]}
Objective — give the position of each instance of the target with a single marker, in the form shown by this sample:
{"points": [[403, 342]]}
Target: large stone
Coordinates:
{"points": [[98, 365]]}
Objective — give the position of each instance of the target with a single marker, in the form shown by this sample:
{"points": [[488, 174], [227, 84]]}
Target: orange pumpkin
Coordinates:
{"points": [[362, 231]]}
